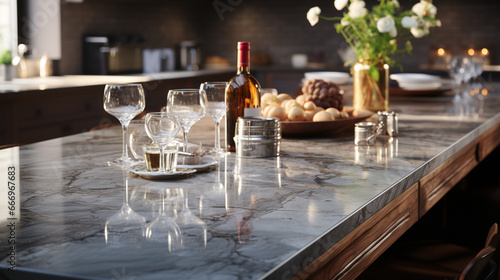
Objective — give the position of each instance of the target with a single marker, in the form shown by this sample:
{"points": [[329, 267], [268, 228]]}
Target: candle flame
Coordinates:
{"points": [[484, 51], [441, 52], [471, 52]]}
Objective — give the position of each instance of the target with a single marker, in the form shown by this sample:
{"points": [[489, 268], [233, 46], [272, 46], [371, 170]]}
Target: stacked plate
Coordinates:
{"points": [[334, 77], [417, 81]]}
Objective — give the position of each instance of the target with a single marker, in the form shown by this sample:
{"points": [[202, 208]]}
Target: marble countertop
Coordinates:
{"points": [[71, 81], [262, 218]]}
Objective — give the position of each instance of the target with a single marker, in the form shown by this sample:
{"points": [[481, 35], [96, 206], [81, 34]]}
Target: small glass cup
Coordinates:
{"points": [[152, 157]]}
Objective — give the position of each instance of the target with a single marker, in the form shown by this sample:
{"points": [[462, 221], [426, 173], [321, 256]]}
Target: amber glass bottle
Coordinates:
{"points": [[242, 95]]}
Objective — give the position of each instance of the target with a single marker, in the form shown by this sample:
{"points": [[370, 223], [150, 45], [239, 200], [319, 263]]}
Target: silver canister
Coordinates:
{"points": [[364, 133], [393, 124], [388, 123], [257, 137]]}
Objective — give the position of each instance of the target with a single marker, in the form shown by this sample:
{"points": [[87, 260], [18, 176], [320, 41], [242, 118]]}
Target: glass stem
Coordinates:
{"points": [[162, 158], [217, 136], [185, 134], [125, 184], [125, 146]]}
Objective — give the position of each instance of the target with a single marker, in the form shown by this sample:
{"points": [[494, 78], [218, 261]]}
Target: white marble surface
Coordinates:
{"points": [[264, 218], [71, 81]]}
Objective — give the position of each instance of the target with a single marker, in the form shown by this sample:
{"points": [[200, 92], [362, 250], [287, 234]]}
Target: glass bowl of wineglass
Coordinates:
{"points": [[162, 129], [188, 106], [216, 107], [124, 101]]}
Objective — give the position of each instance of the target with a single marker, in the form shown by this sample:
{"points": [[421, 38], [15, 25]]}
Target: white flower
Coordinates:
{"points": [[409, 22], [357, 9], [417, 32], [393, 32], [344, 22], [396, 3], [313, 15], [438, 23], [424, 8], [340, 4], [386, 24]]}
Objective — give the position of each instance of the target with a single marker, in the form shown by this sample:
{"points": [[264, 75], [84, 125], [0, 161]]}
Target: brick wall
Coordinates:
{"points": [[278, 27]]}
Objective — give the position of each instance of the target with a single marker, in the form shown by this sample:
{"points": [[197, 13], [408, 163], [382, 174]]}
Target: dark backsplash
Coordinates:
{"points": [[278, 28]]}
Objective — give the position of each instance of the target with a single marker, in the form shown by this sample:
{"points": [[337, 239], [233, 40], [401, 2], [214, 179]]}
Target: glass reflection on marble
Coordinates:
{"points": [[193, 229], [163, 229], [126, 227]]}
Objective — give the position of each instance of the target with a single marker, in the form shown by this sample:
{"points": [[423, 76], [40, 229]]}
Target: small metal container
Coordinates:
{"points": [[257, 137], [383, 119], [393, 124], [364, 133], [388, 123]]}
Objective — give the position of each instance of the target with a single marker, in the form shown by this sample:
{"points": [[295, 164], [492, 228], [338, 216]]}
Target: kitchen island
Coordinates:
{"points": [[323, 209]]}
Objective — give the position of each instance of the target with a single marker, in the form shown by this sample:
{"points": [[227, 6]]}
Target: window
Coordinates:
{"points": [[8, 25]]}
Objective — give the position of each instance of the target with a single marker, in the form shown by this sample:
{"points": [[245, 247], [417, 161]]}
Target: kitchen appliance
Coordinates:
{"points": [[107, 55], [189, 56]]}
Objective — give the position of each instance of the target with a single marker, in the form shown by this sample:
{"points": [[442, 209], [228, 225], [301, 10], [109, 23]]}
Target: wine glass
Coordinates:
{"points": [[188, 106], [163, 229], [137, 139], [124, 101], [126, 227], [458, 69], [216, 107], [161, 128]]}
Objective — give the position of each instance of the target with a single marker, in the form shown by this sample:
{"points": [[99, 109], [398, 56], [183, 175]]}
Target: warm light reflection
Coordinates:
{"points": [[312, 212], [471, 92], [441, 52], [484, 92], [484, 51], [471, 52]]}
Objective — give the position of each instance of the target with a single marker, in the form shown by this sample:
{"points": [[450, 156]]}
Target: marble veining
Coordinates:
{"points": [[264, 218]]}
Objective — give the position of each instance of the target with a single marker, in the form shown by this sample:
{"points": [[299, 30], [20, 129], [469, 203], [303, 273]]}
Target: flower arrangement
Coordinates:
{"points": [[375, 35]]}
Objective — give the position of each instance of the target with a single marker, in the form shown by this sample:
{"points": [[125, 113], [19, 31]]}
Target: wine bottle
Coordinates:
{"points": [[242, 95]]}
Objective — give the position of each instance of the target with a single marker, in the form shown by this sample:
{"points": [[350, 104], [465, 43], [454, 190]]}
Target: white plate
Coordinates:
{"points": [[414, 78], [423, 86], [141, 171], [334, 77], [205, 163]]}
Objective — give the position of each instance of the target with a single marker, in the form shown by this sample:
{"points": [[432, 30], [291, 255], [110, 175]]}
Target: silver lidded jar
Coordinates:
{"points": [[364, 133], [257, 137]]}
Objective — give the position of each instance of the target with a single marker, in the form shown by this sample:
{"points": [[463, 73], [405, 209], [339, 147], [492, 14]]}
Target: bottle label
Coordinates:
{"points": [[252, 112]]}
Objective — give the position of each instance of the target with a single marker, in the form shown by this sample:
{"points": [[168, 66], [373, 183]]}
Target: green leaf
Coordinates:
{"points": [[374, 73]]}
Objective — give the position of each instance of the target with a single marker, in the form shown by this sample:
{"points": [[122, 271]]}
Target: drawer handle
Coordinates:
{"points": [[374, 245]]}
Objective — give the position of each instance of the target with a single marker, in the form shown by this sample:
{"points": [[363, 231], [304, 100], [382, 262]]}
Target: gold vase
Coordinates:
{"points": [[368, 93]]}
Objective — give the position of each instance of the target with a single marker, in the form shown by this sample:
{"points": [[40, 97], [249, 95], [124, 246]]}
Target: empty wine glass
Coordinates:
{"points": [[477, 63], [137, 138], [161, 128], [216, 107], [126, 227], [124, 101], [188, 106], [458, 69], [163, 229]]}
